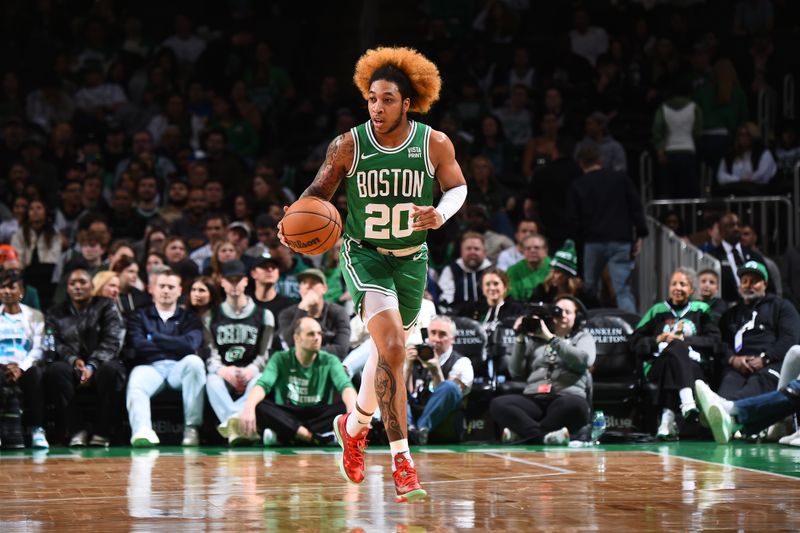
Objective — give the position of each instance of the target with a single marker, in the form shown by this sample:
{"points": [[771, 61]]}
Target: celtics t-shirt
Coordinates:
{"points": [[302, 386]]}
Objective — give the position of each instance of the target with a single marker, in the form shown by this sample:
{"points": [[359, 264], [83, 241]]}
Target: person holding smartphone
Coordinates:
{"points": [[437, 378]]}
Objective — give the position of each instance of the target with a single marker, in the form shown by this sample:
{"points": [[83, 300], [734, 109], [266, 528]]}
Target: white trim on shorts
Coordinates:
{"points": [[360, 285]]}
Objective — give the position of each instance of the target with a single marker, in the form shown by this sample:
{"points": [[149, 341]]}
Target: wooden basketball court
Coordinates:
{"points": [[676, 487]]}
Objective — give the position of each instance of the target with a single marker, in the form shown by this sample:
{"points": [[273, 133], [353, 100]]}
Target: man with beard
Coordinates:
{"points": [[177, 200], [732, 255], [147, 199], [757, 333], [460, 281], [191, 225]]}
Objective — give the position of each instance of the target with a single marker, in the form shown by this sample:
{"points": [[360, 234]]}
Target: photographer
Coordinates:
{"points": [[554, 353], [437, 378]]}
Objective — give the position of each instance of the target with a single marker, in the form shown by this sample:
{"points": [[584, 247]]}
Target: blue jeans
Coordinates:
{"points": [[758, 412], [444, 400], [617, 255], [187, 375], [357, 359], [221, 399]]}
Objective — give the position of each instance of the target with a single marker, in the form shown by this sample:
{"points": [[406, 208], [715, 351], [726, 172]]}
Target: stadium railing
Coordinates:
{"points": [[774, 217], [662, 252]]}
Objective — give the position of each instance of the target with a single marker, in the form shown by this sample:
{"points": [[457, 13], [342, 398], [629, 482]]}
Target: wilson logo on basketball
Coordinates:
{"points": [[301, 244]]}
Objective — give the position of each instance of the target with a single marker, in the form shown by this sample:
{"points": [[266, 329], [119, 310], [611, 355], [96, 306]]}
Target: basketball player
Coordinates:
{"points": [[389, 165]]}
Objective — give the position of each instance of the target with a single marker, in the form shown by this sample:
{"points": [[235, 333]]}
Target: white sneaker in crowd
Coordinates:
{"points": [[559, 437], [145, 438]]}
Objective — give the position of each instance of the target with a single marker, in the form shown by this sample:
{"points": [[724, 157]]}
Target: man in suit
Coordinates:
{"points": [[733, 255]]}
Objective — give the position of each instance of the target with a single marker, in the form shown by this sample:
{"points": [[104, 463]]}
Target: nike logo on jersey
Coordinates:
{"points": [[367, 156]]}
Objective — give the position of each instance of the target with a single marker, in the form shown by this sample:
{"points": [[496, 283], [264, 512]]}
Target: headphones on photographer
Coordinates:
{"points": [[581, 314]]}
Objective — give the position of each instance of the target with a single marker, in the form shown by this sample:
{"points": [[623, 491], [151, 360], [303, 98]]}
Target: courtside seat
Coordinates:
{"points": [[470, 342], [616, 373], [501, 346]]}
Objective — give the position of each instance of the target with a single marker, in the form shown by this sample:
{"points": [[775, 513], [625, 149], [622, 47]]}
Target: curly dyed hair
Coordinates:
{"points": [[423, 76]]}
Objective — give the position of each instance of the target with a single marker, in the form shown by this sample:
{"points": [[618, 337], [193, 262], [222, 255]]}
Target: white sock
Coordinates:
{"points": [[400, 447], [667, 416], [686, 396], [729, 406], [367, 399]]}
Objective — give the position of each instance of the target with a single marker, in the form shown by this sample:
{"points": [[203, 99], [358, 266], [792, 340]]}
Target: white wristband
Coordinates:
{"points": [[451, 201]]}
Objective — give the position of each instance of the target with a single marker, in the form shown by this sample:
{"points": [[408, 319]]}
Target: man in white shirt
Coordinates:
{"points": [[509, 256], [588, 41], [437, 380], [184, 43]]}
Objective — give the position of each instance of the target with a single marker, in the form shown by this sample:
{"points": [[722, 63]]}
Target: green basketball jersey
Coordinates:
{"points": [[383, 185]]}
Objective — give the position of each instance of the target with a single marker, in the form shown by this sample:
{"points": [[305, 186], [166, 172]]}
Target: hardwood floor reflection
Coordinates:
{"points": [[491, 489]]}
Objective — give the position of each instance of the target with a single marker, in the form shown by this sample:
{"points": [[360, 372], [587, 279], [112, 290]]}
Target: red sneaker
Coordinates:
{"points": [[351, 463], [406, 482]]}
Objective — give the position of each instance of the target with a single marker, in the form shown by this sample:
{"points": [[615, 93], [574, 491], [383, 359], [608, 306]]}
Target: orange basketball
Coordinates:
{"points": [[311, 226]]}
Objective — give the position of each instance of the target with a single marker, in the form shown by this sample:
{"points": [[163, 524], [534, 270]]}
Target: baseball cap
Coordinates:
{"points": [[265, 258], [233, 269], [313, 273], [754, 267], [240, 225]]}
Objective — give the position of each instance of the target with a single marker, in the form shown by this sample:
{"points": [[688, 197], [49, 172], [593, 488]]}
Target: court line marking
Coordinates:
{"points": [[531, 463], [785, 476]]}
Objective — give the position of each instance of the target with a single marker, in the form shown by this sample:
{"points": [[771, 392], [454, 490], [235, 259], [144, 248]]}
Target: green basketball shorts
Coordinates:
{"points": [[365, 269]]}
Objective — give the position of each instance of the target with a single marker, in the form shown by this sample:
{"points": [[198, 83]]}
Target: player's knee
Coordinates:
{"points": [[393, 352]]}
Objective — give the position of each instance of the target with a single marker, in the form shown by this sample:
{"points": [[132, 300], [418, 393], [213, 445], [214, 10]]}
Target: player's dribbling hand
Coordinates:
{"points": [[280, 227], [426, 217]]}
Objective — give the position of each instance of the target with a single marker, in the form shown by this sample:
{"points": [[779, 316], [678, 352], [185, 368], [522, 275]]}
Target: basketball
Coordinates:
{"points": [[311, 226]]}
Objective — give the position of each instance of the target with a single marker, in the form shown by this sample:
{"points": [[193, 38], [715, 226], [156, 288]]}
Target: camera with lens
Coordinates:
{"points": [[536, 315], [424, 352]]}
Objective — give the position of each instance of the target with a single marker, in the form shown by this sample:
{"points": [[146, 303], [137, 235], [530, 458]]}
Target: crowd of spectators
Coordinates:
{"points": [[145, 162]]}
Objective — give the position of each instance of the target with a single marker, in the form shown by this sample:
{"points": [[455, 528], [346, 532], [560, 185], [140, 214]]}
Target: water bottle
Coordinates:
{"points": [[49, 345], [598, 426]]}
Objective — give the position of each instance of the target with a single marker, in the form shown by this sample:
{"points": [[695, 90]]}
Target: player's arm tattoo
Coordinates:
{"points": [[385, 390], [337, 159]]}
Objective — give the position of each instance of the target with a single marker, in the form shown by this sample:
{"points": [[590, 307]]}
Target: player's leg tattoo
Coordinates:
{"points": [[386, 390]]}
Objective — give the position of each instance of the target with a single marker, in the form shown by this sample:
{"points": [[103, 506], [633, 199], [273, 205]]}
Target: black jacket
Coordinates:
{"points": [[94, 335], [335, 324], [730, 290], [603, 206], [776, 329], [153, 340]]}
